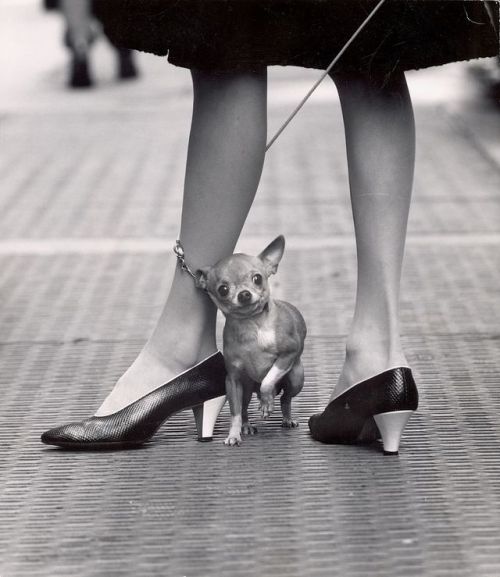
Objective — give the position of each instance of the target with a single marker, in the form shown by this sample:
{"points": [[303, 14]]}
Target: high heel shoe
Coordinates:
{"points": [[201, 388], [378, 407]]}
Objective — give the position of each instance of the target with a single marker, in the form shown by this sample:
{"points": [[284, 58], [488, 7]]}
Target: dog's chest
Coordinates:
{"points": [[266, 338], [250, 347]]}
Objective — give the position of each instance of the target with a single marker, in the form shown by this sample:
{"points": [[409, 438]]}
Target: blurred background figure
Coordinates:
{"points": [[495, 83], [488, 73], [81, 29], [489, 70]]}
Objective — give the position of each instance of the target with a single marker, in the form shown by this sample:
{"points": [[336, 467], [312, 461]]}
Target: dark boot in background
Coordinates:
{"points": [[126, 66]]}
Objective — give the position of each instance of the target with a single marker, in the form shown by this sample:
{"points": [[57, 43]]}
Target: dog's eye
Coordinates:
{"points": [[257, 279], [223, 290]]}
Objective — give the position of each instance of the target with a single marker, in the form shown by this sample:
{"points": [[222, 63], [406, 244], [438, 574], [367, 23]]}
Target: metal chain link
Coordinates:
{"points": [[179, 253]]}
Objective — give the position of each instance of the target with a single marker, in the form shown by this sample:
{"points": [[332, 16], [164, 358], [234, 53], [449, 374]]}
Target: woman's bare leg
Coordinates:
{"points": [[380, 139], [78, 18], [224, 165]]}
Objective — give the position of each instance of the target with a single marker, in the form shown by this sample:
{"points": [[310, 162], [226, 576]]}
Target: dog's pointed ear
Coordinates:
{"points": [[272, 254], [201, 280]]}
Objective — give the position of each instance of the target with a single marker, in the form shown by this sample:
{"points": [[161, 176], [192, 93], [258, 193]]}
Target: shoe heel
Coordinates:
{"points": [[205, 416], [391, 426]]}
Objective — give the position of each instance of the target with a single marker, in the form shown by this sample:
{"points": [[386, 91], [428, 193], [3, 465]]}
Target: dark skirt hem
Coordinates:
{"points": [[229, 35]]}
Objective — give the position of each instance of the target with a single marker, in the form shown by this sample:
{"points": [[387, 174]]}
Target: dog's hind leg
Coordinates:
{"points": [[292, 386]]}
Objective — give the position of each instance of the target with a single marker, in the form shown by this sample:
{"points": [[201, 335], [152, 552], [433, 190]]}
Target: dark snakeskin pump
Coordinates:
{"points": [[378, 407], [201, 388]]}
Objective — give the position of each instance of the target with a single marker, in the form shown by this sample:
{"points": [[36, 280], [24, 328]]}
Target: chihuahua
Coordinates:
{"points": [[263, 338]]}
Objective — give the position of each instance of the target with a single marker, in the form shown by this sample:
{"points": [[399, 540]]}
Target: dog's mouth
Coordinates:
{"points": [[250, 310]]}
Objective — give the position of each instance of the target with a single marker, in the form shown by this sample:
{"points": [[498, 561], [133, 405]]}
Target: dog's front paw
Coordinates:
{"points": [[233, 440], [266, 405], [289, 423], [248, 429]]}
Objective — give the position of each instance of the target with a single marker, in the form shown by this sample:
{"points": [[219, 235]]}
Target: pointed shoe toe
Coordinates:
{"points": [[60, 435], [342, 427], [96, 433], [54, 436]]}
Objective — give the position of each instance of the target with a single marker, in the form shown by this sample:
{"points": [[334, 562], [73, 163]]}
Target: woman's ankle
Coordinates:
{"points": [[364, 360], [159, 361], [185, 331], [181, 349]]}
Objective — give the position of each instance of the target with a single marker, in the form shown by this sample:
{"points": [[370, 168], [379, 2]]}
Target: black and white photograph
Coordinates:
{"points": [[249, 288]]}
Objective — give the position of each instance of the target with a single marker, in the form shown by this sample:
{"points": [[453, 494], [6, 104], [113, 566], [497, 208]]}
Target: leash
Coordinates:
{"points": [[178, 249], [179, 253], [324, 75]]}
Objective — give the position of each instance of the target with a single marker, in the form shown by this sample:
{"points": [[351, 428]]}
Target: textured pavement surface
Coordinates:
{"points": [[90, 192]]}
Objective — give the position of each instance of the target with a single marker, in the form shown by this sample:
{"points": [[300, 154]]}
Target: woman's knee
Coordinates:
{"points": [[220, 81], [371, 84]]}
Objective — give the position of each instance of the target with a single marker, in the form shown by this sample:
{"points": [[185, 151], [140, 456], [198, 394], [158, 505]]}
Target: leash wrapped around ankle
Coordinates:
{"points": [[179, 253]]}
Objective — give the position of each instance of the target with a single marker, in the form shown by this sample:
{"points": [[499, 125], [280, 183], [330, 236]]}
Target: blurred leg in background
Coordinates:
{"points": [[492, 75], [79, 36], [488, 71], [80, 32]]}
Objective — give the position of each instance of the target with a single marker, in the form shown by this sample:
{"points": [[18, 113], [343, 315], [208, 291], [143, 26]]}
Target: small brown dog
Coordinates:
{"points": [[263, 338]]}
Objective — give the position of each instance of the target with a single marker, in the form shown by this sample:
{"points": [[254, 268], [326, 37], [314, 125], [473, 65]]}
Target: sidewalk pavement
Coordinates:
{"points": [[90, 190]]}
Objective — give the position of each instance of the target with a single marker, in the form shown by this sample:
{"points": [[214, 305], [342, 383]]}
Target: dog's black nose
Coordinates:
{"points": [[244, 297]]}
